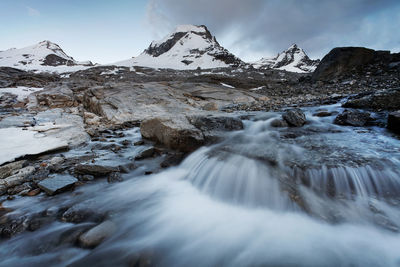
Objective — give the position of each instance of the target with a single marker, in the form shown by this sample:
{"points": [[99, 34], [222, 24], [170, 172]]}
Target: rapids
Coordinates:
{"points": [[319, 195]]}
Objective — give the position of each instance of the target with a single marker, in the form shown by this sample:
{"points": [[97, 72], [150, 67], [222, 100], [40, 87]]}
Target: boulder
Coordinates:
{"points": [[175, 133], [353, 118], [95, 170], [393, 122], [295, 117], [279, 123], [57, 184]]}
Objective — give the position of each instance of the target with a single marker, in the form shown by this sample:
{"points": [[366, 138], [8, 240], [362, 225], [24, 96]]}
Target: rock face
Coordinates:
{"points": [[188, 47], [380, 100], [293, 59], [11, 77], [57, 184], [393, 122], [344, 60], [353, 118], [295, 117]]}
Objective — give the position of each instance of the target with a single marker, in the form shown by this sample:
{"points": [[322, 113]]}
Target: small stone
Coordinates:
{"points": [[139, 143], [147, 153], [57, 184], [279, 123], [96, 235], [56, 160], [87, 177], [33, 192], [114, 177]]}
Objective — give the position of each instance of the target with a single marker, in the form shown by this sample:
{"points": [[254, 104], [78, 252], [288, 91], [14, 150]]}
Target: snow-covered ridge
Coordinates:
{"points": [[188, 47], [44, 56], [293, 59]]}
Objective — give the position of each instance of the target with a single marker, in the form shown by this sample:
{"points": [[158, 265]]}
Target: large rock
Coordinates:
{"points": [[343, 59], [380, 100], [393, 122], [95, 170], [176, 133], [8, 169], [353, 118], [295, 117], [57, 184]]}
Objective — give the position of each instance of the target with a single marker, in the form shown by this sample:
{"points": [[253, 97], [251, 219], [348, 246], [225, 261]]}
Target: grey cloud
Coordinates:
{"points": [[272, 25]]}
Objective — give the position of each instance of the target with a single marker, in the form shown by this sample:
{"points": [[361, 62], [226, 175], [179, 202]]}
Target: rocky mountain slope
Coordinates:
{"points": [[44, 56], [188, 47], [293, 59]]}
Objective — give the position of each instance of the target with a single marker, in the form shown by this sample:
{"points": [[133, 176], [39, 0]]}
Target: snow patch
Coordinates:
{"points": [[22, 92]]}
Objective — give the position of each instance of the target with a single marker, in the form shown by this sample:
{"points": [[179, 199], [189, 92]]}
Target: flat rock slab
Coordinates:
{"points": [[57, 184], [16, 143]]}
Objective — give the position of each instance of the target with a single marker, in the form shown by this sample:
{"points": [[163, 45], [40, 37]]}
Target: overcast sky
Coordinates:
{"points": [[108, 31]]}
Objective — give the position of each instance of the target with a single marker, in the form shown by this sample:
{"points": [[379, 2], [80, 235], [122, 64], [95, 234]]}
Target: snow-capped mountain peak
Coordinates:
{"points": [[43, 56], [187, 47], [293, 59]]}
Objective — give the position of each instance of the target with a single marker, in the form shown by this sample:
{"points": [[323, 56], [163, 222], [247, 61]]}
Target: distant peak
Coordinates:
{"points": [[191, 28]]}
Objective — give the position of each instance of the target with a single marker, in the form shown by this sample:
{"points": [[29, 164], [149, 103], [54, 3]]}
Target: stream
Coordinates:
{"points": [[317, 195]]}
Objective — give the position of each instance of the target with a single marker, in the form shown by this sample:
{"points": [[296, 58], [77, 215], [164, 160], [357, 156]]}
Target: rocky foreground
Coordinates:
{"points": [[177, 111]]}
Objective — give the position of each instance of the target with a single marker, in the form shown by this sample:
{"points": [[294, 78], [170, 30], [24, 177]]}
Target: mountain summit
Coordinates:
{"points": [[44, 56], [293, 59], [188, 47]]}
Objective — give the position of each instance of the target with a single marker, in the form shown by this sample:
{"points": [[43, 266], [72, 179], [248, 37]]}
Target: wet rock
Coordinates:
{"points": [[126, 168], [96, 235], [95, 170], [295, 117], [40, 175], [322, 113], [353, 118], [57, 184], [279, 123], [393, 122], [9, 168], [175, 133], [86, 177], [81, 213], [139, 143], [214, 126], [126, 143], [114, 177], [147, 153], [172, 160]]}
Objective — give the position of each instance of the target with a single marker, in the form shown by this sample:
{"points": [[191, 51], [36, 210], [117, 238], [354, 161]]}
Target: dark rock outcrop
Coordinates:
{"points": [[380, 100], [344, 60]]}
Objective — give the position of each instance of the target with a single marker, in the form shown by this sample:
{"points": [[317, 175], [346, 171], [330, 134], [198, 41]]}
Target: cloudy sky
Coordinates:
{"points": [[107, 31]]}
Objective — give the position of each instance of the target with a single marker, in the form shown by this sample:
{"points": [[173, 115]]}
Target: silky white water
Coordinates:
{"points": [[320, 195]]}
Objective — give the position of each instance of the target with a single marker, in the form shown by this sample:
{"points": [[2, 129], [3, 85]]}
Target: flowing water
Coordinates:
{"points": [[319, 195]]}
